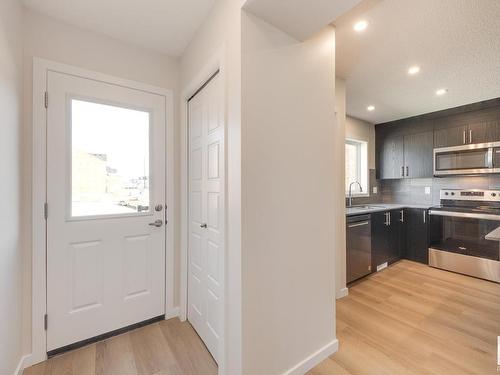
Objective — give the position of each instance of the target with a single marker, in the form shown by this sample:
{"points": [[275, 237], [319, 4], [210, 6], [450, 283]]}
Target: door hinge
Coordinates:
{"points": [[46, 100], [45, 321], [46, 211]]}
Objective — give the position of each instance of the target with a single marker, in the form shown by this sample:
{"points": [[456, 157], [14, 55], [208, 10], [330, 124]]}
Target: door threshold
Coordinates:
{"points": [[104, 336]]}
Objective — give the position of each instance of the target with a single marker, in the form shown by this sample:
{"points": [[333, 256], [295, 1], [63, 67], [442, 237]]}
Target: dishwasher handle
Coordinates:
{"points": [[358, 224]]}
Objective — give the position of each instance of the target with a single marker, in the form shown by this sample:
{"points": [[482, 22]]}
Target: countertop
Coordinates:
{"points": [[494, 235], [378, 207]]}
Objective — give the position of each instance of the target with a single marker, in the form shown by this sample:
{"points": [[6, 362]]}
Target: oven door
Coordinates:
{"points": [[464, 233], [464, 160]]}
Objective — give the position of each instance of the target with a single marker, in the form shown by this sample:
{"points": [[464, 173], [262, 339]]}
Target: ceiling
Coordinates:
{"points": [[166, 26], [456, 43], [300, 19]]}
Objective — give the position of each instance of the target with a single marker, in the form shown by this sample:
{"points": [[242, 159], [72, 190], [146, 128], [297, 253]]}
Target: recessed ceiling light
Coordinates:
{"points": [[413, 70], [370, 108], [360, 26], [440, 92]]}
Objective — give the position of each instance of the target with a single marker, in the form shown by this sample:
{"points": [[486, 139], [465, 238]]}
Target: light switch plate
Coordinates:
{"points": [[428, 190], [375, 190]]}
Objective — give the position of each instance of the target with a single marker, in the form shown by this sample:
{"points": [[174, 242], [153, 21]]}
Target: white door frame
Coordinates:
{"points": [[41, 67], [214, 64]]}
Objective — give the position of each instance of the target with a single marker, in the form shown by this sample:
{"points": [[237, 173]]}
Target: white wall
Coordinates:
{"points": [[11, 255], [340, 220], [221, 31], [289, 196], [54, 40], [362, 131]]}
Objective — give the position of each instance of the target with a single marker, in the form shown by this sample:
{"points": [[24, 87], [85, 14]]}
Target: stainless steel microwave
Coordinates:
{"points": [[467, 159]]}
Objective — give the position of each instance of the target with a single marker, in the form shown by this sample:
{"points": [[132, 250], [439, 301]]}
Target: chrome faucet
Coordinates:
{"points": [[350, 192]]}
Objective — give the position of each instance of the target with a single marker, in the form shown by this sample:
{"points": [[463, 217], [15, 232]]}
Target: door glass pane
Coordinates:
{"points": [[110, 159]]}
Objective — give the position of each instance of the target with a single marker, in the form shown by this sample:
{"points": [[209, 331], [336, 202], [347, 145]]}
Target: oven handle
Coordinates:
{"points": [[466, 215]]}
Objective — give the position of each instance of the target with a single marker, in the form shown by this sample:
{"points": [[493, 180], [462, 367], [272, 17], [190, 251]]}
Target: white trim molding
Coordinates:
{"points": [[41, 67], [344, 292], [23, 363], [314, 359], [172, 313]]}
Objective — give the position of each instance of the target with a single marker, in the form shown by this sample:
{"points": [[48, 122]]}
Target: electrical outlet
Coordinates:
{"points": [[428, 190], [375, 190]]}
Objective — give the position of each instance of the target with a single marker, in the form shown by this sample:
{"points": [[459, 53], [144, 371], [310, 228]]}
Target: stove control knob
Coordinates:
{"points": [[446, 193], [452, 193], [493, 194]]}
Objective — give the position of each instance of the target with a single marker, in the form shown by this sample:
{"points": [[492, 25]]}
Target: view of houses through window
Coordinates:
{"points": [[110, 159]]}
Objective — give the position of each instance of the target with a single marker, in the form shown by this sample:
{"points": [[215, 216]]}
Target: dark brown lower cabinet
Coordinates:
{"points": [[398, 234], [417, 235], [388, 237]]}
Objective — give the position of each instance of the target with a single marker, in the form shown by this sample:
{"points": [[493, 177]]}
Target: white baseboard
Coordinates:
{"points": [[172, 313], [342, 293], [314, 359], [23, 363]]}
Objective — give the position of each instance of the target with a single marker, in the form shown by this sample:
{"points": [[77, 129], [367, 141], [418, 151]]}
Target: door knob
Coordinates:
{"points": [[158, 223], [204, 225]]}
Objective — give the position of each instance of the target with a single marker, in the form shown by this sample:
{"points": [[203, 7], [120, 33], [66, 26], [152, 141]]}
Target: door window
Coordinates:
{"points": [[110, 159]]}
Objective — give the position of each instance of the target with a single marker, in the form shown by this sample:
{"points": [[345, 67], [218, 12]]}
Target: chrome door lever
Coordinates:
{"points": [[158, 223]]}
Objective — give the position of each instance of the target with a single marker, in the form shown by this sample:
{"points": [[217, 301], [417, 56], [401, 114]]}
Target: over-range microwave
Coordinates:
{"points": [[471, 159]]}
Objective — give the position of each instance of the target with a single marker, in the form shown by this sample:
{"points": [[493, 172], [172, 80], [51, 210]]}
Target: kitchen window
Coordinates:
{"points": [[356, 166]]}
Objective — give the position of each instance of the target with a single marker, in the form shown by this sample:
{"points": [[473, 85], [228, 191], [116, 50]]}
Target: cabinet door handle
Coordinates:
{"points": [[403, 171], [470, 136], [402, 219], [389, 216], [386, 222], [465, 140], [424, 216], [407, 171]]}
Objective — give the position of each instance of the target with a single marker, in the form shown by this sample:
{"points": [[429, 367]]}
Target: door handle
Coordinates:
{"points": [[402, 219], [465, 140], [402, 171], [470, 136], [158, 223], [407, 171], [204, 225]]}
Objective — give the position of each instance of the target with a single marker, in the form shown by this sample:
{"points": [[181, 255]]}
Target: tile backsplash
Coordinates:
{"points": [[413, 191], [424, 191]]}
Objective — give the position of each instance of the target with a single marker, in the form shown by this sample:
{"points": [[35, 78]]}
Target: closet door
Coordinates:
{"points": [[206, 213]]}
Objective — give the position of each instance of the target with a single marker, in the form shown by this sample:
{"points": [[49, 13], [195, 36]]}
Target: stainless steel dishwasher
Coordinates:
{"points": [[359, 247]]}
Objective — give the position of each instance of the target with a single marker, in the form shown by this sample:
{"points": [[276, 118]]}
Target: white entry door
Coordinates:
{"points": [[105, 177], [206, 214]]}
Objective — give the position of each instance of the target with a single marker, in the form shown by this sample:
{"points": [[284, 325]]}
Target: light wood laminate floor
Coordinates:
{"points": [[407, 319], [414, 319], [170, 347]]}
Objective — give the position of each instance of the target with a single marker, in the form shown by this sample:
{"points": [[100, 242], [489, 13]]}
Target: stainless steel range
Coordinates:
{"points": [[458, 229]]}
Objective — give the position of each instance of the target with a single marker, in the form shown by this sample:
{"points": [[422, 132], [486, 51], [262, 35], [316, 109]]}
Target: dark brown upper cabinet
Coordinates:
{"points": [[478, 132], [391, 157], [448, 137], [418, 151], [406, 156]]}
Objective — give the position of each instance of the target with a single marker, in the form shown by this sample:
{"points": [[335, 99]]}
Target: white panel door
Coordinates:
{"points": [[105, 175], [206, 214]]}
